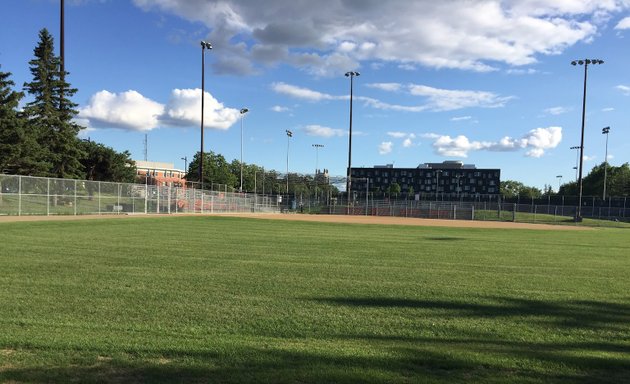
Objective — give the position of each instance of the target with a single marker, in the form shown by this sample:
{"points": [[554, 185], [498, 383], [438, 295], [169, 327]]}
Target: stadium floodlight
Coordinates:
{"points": [[204, 45], [351, 75], [243, 112], [605, 131], [585, 62], [289, 136]]}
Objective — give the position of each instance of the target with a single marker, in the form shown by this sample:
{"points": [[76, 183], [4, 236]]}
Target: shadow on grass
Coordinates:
{"points": [[585, 314], [416, 360], [456, 356]]}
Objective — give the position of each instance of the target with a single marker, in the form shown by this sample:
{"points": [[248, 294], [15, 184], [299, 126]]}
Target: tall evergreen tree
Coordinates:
{"points": [[50, 113], [18, 151]]}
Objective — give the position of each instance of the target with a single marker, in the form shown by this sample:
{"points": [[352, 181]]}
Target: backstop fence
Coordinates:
{"points": [[26, 195]]}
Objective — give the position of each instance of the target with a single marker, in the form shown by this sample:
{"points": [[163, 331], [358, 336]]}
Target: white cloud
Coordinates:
{"points": [[390, 87], [397, 135], [624, 89], [324, 40], [408, 137], [300, 92], [556, 110], [385, 147], [447, 100], [374, 103], [608, 109], [131, 110], [278, 108], [461, 118], [321, 131], [437, 99], [184, 107], [535, 142], [455, 147], [623, 23], [519, 71], [126, 110]]}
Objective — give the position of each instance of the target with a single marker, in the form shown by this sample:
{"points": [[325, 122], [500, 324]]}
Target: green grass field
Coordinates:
{"points": [[221, 299]]}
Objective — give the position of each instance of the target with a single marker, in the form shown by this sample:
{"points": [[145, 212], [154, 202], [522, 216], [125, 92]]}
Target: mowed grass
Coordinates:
{"points": [[220, 299]]}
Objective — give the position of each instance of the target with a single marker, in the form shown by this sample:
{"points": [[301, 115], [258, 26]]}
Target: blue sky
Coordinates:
{"points": [[486, 82]]}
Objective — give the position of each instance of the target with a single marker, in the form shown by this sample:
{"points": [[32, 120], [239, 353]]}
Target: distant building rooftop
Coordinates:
{"points": [[449, 164]]}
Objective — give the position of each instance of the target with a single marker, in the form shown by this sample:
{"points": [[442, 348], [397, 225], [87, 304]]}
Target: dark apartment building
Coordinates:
{"points": [[450, 178]]}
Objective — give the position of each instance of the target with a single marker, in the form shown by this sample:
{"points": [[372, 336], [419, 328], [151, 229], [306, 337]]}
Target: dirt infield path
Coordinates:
{"points": [[385, 220]]}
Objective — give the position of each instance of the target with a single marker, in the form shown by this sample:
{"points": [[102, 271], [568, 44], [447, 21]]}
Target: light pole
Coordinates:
{"points": [[317, 147], [605, 132], [204, 46], [289, 136], [577, 159], [243, 112], [437, 183], [185, 158], [585, 63], [559, 177], [351, 75], [62, 54]]}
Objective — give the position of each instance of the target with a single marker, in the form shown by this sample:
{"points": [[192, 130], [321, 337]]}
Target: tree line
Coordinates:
{"points": [[42, 138], [617, 184], [217, 170]]}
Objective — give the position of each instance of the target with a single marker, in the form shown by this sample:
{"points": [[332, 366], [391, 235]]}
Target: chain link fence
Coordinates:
{"points": [[484, 211], [26, 195]]}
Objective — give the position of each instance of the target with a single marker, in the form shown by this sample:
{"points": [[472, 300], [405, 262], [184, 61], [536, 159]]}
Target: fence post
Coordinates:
{"points": [[146, 196], [472, 212], [19, 195], [99, 197], [454, 212], [47, 197], [514, 214], [75, 197]]}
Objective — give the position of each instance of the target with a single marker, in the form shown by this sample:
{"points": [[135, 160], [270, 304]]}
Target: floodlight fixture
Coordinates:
{"points": [[585, 62]]}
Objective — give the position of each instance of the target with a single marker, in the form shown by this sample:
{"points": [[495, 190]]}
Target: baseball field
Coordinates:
{"points": [[248, 299]]}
